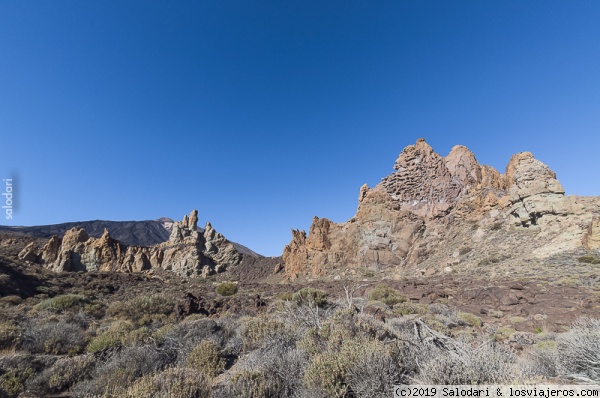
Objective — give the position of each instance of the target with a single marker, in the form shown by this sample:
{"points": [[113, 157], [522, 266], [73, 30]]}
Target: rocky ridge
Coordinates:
{"points": [[188, 251], [437, 212]]}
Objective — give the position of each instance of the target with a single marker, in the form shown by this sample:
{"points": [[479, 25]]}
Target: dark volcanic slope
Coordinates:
{"points": [[136, 233]]}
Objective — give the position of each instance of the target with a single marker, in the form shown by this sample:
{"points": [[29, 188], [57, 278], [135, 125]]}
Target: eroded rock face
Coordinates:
{"points": [[431, 203], [188, 252]]}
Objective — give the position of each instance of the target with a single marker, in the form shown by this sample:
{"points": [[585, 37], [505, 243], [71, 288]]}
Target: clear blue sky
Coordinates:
{"points": [[264, 114]]}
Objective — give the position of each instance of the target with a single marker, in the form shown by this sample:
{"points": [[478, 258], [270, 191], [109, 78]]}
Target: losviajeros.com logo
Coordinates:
{"points": [[8, 196]]}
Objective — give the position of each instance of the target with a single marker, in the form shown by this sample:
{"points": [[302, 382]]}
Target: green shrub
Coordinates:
{"points": [[470, 319], [589, 259], [13, 382], [206, 358], [408, 308], [226, 289], [386, 295], [503, 333], [311, 297], [115, 336], [9, 334], [61, 303]]}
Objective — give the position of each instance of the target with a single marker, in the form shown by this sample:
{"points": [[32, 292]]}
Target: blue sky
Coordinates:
{"points": [[264, 114]]}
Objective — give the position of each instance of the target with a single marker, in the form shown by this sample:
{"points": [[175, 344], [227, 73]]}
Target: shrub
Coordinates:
{"points": [[579, 350], [67, 371], [310, 297], [589, 259], [61, 303], [140, 306], [179, 340], [206, 358], [326, 373], [503, 333], [408, 308], [54, 337], [488, 364], [470, 319], [172, 382], [115, 336], [257, 330], [496, 226], [227, 289], [386, 295], [249, 383], [122, 368], [10, 300], [373, 371], [10, 334], [464, 250], [539, 361], [13, 382]]}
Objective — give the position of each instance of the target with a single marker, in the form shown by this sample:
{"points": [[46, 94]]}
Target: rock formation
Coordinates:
{"points": [[432, 208], [187, 252]]}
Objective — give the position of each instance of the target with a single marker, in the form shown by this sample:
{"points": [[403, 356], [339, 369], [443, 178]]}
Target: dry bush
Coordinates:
{"points": [[206, 358], [56, 337], [273, 371], [579, 350], [179, 340], [16, 371], [261, 330], [539, 360], [172, 382], [247, 384], [63, 374], [458, 362], [122, 368], [141, 307], [232, 340], [374, 371]]}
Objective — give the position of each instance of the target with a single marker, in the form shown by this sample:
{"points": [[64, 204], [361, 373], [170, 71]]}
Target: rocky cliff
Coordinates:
{"points": [[188, 251], [434, 212]]}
